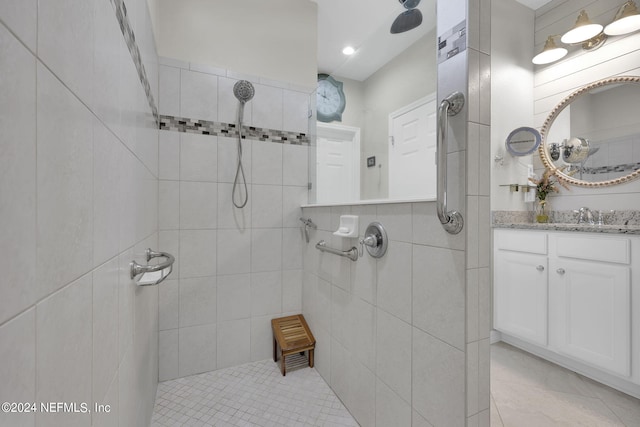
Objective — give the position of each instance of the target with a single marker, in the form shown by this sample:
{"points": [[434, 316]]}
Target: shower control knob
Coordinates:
{"points": [[540, 268], [560, 271]]}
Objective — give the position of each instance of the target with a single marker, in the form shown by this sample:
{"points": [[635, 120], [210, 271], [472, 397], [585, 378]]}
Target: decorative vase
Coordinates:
{"points": [[542, 215]]}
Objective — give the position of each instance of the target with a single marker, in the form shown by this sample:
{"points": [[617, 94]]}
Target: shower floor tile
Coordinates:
{"points": [[253, 394]]}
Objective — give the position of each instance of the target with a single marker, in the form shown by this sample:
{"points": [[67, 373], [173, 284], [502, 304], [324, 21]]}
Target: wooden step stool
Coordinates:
{"points": [[292, 334]]}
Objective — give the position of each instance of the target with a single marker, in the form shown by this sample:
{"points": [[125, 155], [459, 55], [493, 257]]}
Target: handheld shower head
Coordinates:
{"points": [[243, 90]]}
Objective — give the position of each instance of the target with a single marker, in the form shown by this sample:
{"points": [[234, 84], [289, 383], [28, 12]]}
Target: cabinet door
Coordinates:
{"points": [[589, 312], [520, 286]]}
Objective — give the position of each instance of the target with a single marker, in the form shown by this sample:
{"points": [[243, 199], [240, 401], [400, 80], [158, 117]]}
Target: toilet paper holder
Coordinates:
{"points": [[150, 272]]}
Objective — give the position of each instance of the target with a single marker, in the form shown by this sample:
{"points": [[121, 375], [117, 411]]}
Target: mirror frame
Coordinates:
{"points": [[544, 154], [509, 141]]}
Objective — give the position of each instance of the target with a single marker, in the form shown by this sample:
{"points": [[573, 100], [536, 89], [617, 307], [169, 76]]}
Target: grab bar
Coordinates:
{"points": [[450, 106], [137, 269], [352, 253]]}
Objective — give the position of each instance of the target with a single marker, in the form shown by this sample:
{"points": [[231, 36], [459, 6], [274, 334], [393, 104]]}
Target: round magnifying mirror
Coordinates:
{"points": [[523, 141]]}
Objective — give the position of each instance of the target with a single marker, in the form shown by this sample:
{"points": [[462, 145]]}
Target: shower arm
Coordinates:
{"points": [[452, 221]]}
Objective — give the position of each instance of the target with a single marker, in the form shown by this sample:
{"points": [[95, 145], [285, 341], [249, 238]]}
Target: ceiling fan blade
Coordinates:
{"points": [[407, 20]]}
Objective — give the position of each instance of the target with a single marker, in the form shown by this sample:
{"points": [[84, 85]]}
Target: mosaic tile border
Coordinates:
{"points": [[206, 127], [130, 40], [616, 168]]}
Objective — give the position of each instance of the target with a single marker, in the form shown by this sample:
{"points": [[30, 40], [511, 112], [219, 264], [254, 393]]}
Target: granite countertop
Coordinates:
{"points": [[620, 222]]}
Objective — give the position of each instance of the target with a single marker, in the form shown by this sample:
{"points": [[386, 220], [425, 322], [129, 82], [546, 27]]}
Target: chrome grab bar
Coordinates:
{"points": [[137, 269], [352, 253], [450, 106]]}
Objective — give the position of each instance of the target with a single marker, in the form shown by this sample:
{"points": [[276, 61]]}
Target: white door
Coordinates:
{"points": [[520, 287], [412, 151], [590, 314], [338, 164]]}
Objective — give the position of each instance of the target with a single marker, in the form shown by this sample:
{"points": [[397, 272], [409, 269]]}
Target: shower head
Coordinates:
{"points": [[243, 90]]}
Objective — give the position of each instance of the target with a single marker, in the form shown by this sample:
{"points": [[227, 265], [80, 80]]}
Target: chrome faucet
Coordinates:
{"points": [[307, 224], [585, 216]]}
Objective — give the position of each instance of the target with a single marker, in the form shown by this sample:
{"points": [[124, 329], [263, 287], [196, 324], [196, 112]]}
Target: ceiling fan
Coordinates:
{"points": [[409, 19]]}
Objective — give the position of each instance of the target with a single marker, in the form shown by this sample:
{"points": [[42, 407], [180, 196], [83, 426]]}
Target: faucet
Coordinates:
{"points": [[307, 224], [585, 216]]}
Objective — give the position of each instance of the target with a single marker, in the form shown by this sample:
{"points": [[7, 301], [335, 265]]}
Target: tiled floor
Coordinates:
{"points": [[254, 394], [529, 391]]}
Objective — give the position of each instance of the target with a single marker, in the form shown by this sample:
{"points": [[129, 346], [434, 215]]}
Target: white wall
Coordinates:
{"points": [[408, 77], [238, 268], [78, 178], [618, 56], [275, 39], [511, 97]]}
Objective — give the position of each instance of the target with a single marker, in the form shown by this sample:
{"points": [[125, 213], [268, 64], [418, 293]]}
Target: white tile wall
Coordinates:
{"points": [[79, 167], [252, 257], [267, 107], [198, 205], [61, 25], [392, 343], [65, 192], [438, 389], [197, 349], [105, 327], [57, 368], [198, 95], [21, 17], [234, 342], [197, 301], [198, 157], [18, 372], [17, 165]]}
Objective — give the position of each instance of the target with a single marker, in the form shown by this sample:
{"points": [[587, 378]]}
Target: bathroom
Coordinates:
{"points": [[96, 167]]}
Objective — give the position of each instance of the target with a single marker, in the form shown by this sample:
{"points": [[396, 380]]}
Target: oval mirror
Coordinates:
{"points": [[592, 137], [523, 141]]}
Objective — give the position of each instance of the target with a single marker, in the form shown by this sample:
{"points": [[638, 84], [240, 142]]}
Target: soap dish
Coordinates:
{"points": [[348, 226]]}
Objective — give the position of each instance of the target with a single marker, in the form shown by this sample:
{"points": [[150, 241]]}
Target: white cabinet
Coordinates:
{"points": [[572, 296], [590, 299], [590, 311], [520, 286]]}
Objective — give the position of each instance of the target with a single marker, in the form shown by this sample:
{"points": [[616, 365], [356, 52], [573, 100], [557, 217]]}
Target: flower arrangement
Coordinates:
{"points": [[544, 186]]}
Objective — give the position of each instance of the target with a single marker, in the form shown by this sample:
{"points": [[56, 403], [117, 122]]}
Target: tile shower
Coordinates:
{"points": [[237, 268], [78, 169], [98, 184]]}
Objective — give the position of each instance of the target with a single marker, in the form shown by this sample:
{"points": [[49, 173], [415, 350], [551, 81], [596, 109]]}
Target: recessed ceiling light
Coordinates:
{"points": [[348, 50]]}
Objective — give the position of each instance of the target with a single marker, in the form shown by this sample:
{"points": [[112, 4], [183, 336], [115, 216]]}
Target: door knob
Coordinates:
{"points": [[560, 271], [540, 268]]}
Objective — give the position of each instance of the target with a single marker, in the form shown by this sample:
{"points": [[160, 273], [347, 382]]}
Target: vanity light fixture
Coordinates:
{"points": [[582, 31], [550, 53], [626, 21], [591, 36]]}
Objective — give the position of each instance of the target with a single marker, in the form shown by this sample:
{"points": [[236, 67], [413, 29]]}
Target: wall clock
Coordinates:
{"points": [[331, 101]]}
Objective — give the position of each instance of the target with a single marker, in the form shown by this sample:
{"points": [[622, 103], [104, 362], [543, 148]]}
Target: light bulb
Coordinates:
{"points": [[627, 20], [348, 50], [550, 53], [582, 31]]}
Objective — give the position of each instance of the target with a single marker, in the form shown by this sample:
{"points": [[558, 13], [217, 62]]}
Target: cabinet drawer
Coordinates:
{"points": [[521, 241], [593, 248]]}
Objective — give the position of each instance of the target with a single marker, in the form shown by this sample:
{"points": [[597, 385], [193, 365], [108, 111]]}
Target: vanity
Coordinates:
{"points": [[571, 297], [569, 290]]}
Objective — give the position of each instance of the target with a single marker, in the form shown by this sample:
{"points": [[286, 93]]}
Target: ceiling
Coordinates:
{"points": [[534, 4], [365, 24]]}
